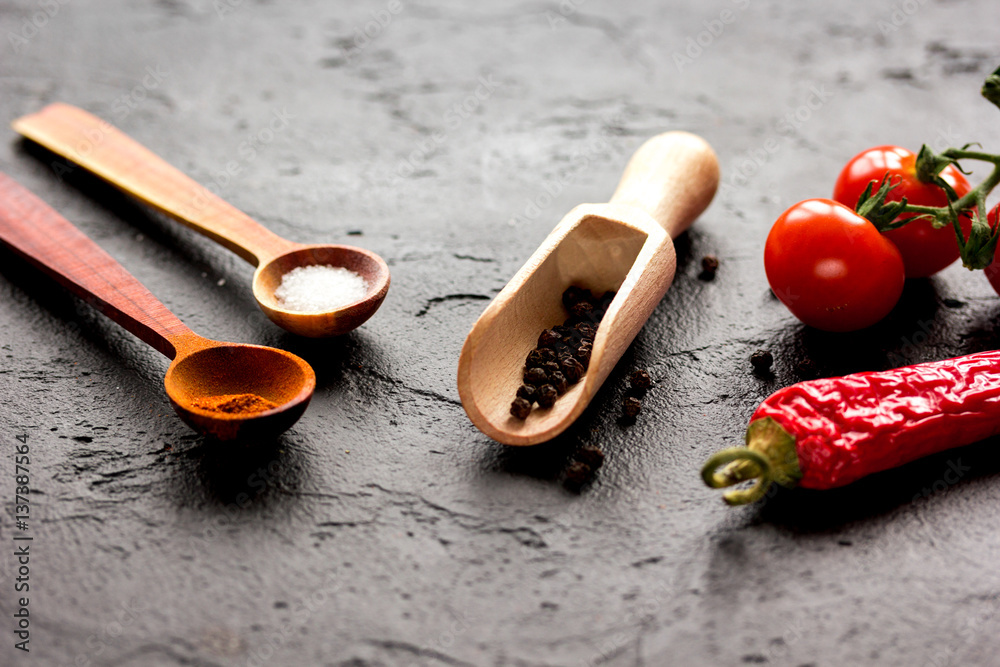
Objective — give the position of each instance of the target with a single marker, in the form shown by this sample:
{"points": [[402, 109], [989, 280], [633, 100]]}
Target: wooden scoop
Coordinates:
{"points": [[624, 246], [99, 147], [202, 368]]}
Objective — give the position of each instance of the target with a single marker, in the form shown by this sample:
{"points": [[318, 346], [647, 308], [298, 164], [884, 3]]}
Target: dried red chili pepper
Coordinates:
{"points": [[830, 432]]}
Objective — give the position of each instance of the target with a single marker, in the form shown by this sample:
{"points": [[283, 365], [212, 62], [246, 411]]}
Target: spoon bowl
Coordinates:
{"points": [[201, 368], [102, 149], [222, 369], [368, 265], [623, 246]]}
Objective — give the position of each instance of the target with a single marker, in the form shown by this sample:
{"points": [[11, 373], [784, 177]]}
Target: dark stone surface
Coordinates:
{"points": [[384, 529]]}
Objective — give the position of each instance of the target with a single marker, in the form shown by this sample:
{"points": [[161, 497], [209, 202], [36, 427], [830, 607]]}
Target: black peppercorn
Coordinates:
{"points": [[591, 455], [604, 302], [535, 376], [586, 330], [572, 337], [572, 369], [548, 338], [807, 368], [564, 350], [631, 407], [761, 361], [520, 408], [568, 335], [574, 295], [547, 395], [558, 380], [578, 473], [709, 265], [582, 310], [640, 380]]}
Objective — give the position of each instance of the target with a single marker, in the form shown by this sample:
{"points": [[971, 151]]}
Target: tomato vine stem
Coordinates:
{"points": [[978, 249]]}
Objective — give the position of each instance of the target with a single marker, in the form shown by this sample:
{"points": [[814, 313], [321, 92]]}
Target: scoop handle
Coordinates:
{"points": [[46, 239], [672, 177], [99, 147]]}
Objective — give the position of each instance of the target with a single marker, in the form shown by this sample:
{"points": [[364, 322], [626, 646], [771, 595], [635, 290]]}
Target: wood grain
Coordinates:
{"points": [[104, 150], [101, 148], [201, 367], [47, 240], [626, 246]]}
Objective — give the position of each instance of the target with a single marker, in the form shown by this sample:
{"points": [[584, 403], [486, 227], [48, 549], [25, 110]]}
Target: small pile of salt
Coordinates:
{"points": [[318, 288]]}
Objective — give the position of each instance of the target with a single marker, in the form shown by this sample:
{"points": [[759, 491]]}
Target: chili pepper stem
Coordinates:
{"points": [[741, 464], [769, 456]]}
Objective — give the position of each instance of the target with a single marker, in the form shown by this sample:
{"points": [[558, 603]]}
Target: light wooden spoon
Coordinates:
{"points": [[99, 147], [201, 368], [624, 246]]}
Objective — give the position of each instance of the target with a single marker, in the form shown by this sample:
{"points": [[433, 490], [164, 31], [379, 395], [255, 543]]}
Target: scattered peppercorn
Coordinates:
{"points": [[578, 473], [631, 407], [761, 360], [583, 355], [520, 408], [639, 379], [547, 396], [709, 265], [591, 455], [807, 368], [535, 376]]}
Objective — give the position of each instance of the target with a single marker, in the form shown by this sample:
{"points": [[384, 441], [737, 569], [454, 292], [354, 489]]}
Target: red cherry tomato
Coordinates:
{"points": [[831, 267], [993, 270], [925, 250]]}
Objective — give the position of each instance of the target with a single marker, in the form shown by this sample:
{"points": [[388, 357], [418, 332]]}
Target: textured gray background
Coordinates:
{"points": [[385, 530]]}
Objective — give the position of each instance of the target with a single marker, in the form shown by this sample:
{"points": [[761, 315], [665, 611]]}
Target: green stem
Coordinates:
{"points": [[927, 210], [978, 249], [740, 464], [963, 154], [769, 456], [990, 182]]}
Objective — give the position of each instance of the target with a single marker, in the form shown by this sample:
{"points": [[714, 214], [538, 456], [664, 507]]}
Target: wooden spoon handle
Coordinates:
{"points": [[672, 177], [108, 152], [47, 240]]}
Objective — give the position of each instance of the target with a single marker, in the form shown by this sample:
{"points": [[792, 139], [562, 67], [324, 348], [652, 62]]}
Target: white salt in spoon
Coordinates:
{"points": [[312, 289], [104, 150]]}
